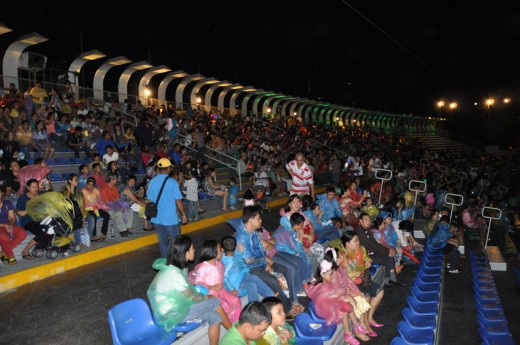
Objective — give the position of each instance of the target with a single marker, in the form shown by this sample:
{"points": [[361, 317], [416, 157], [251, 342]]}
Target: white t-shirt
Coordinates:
{"points": [[107, 159]]}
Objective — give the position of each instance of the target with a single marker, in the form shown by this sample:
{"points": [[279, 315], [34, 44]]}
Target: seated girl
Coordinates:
{"points": [[210, 274], [174, 300], [334, 303], [356, 263]]}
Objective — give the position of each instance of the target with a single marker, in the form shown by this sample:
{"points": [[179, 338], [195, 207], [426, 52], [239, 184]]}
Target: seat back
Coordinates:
{"points": [[312, 310], [131, 321]]}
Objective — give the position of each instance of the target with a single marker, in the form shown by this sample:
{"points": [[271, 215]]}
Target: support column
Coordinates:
{"points": [[234, 96], [102, 71], [13, 53], [247, 97], [211, 90], [198, 85], [122, 88], [179, 93], [145, 80], [224, 92], [76, 65], [161, 94]]}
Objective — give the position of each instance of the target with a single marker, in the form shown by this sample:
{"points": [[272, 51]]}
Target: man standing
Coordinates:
{"points": [[166, 223], [302, 180]]}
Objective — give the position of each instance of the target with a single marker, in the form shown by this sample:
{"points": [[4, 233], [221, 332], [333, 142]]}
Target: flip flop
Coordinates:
{"points": [[27, 256]]}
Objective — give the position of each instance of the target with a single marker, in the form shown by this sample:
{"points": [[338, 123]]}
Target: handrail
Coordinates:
{"points": [[98, 103], [237, 168], [490, 217]]}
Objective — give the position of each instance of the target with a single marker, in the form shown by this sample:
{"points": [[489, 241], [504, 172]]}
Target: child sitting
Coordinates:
{"points": [[209, 272], [279, 332], [334, 302], [249, 198], [237, 278], [233, 194], [370, 209]]}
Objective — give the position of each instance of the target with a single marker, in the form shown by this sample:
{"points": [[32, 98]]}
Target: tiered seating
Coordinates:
{"points": [[490, 316], [421, 316]]}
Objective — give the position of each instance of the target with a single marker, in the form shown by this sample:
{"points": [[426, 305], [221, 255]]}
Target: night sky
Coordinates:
{"points": [[316, 49]]}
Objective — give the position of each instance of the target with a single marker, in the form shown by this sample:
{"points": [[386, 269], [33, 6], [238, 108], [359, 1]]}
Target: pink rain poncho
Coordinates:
{"points": [[208, 275], [37, 172]]}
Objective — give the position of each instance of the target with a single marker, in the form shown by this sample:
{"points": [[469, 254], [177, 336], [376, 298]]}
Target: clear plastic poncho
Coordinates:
{"points": [[50, 204], [171, 295]]}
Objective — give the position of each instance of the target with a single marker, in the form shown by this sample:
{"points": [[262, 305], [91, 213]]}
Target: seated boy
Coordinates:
{"points": [[237, 278], [444, 236]]}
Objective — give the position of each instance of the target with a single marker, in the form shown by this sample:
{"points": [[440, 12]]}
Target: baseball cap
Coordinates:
{"points": [[164, 163], [384, 214]]}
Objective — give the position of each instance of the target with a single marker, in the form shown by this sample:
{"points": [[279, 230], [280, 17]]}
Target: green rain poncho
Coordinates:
{"points": [[171, 295]]}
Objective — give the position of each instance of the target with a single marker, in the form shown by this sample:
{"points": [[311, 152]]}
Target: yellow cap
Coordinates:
{"points": [[164, 163]]}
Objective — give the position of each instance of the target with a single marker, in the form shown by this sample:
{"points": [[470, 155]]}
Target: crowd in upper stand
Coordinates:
{"points": [[361, 222]]}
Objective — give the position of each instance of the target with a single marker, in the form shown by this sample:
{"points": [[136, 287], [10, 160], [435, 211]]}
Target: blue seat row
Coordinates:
{"points": [[490, 315], [131, 322], [420, 316]]}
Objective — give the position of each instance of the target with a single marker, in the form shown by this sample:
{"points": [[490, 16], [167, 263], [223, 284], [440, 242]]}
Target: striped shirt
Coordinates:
{"points": [[301, 177]]}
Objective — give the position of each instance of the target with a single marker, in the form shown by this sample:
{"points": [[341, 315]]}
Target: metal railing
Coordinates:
{"points": [[213, 158]]}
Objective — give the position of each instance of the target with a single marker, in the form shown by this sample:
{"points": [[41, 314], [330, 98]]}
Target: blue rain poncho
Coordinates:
{"points": [[171, 295]]}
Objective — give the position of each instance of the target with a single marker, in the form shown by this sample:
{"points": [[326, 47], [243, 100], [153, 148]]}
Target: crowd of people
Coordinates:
{"points": [[325, 244]]}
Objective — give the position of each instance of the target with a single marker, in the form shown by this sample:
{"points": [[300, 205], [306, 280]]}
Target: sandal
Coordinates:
{"points": [[290, 316], [27, 256], [95, 239], [11, 261], [4, 259]]}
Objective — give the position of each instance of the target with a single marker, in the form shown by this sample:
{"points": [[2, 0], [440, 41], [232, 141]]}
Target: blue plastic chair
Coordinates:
{"points": [[431, 269], [131, 323], [186, 327], [415, 336], [431, 284], [312, 310], [431, 297], [422, 308], [492, 315], [426, 287], [56, 177], [495, 339], [493, 326], [418, 321], [488, 305], [489, 296], [429, 278], [398, 341], [301, 341], [484, 288], [305, 332]]}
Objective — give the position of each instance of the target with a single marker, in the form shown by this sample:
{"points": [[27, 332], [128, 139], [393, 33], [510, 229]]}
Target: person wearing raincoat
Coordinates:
{"points": [[174, 300]]}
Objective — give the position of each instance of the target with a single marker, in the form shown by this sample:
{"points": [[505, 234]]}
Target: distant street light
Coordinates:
{"points": [[490, 102], [507, 100], [440, 104], [453, 105]]}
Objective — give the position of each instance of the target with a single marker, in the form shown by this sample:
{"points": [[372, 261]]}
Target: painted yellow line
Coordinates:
{"points": [[14, 280]]}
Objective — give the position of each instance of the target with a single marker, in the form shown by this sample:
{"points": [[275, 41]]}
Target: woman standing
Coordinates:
{"points": [[11, 234], [174, 300]]}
